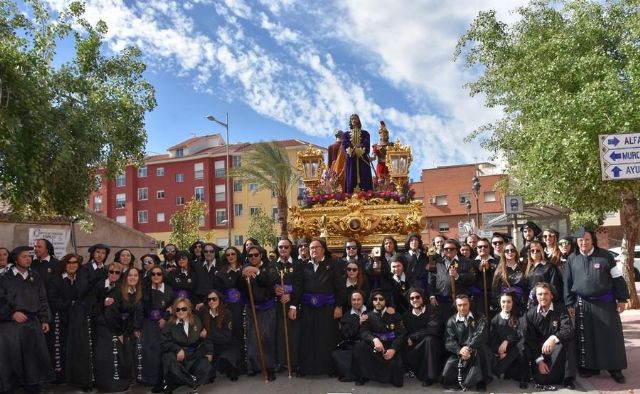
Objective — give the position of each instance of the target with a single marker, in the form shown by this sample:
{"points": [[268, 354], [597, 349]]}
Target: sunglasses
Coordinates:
{"points": [[209, 251], [483, 246], [230, 254], [283, 246], [115, 272], [212, 299], [549, 236], [449, 249], [183, 309], [254, 254], [352, 247], [535, 251], [156, 274], [378, 298], [352, 269], [509, 250], [147, 262], [497, 242], [303, 246], [564, 243], [415, 298]]}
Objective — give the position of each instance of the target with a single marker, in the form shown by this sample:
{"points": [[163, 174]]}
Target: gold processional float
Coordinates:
{"points": [[386, 208]]}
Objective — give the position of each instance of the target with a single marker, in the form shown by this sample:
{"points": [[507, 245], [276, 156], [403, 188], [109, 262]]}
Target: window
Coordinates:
{"points": [[179, 200], [143, 193], [97, 203], [221, 215], [180, 152], [490, 196], [160, 217], [253, 210], [160, 194], [199, 193], [274, 213], [121, 219], [120, 180], [236, 161], [160, 171], [253, 187], [121, 199], [142, 172], [220, 192], [201, 221], [222, 242], [443, 227], [238, 240], [220, 170], [237, 186], [464, 197], [198, 170], [143, 216], [179, 177], [441, 200], [237, 209]]}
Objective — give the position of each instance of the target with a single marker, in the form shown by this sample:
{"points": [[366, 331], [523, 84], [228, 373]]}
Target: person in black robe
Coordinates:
{"points": [[45, 262], [401, 283], [416, 259], [262, 279], [223, 348], [94, 270], [126, 258], [149, 261], [466, 341], [424, 339], [567, 246], [169, 255], [289, 271], [157, 298], [184, 358], [118, 351], [530, 232], [378, 268], [510, 278], [24, 319], [63, 295], [352, 252], [548, 333], [540, 270], [320, 297], [4, 260], [196, 252], [206, 270], [507, 343], [596, 294], [235, 302], [450, 268], [485, 265], [376, 357], [350, 324], [183, 280], [353, 279]]}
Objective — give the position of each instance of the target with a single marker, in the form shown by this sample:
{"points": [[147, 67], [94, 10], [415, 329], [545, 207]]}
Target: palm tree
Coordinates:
{"points": [[268, 166]]}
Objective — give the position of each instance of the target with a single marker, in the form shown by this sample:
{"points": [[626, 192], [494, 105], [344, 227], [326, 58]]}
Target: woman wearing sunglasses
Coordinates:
{"points": [[353, 279], [510, 278], [116, 362], [157, 299], [184, 279], [229, 273], [184, 358], [149, 261], [223, 347], [539, 270]]}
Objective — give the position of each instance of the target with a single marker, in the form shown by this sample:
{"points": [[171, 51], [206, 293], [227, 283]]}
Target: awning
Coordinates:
{"points": [[531, 211]]}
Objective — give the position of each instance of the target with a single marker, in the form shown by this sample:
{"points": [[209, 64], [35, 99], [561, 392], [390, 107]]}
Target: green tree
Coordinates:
{"points": [[60, 123], [563, 74], [268, 166], [261, 227], [185, 227]]}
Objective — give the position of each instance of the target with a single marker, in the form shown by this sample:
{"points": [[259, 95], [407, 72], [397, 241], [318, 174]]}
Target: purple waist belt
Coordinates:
{"points": [[318, 300]]}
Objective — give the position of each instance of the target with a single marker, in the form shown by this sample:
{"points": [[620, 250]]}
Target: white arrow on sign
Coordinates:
{"points": [[617, 141], [622, 171], [622, 156]]}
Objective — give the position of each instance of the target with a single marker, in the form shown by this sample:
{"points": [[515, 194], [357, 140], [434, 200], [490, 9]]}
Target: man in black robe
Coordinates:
{"points": [[485, 266], [24, 319], [376, 356], [548, 334], [207, 273], [401, 284], [595, 294], [416, 258], [169, 254], [466, 341], [321, 298], [45, 262]]}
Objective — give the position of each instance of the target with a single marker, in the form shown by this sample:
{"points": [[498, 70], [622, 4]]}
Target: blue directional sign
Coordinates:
{"points": [[620, 156]]}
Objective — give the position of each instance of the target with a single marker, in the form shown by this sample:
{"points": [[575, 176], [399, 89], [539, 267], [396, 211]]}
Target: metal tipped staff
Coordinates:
{"points": [[486, 297], [257, 329], [286, 328]]}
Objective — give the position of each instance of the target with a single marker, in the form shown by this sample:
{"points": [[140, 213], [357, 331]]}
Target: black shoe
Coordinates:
{"points": [[427, 383], [252, 373], [618, 377], [569, 384], [157, 389], [271, 376], [360, 382], [88, 390], [300, 374], [233, 378], [168, 389], [524, 385], [345, 379], [400, 384], [481, 387]]}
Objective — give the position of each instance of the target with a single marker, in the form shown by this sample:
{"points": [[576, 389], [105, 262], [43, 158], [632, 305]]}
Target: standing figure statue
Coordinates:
{"points": [[380, 153], [357, 165]]}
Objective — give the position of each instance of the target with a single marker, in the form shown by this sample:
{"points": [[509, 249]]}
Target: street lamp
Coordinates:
{"points": [[468, 206], [225, 124], [475, 186]]}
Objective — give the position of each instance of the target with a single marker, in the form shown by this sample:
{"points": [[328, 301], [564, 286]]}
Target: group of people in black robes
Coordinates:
{"points": [[429, 311]]}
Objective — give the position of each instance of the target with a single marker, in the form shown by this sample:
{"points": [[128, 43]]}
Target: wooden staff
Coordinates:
{"points": [[257, 328], [486, 296], [286, 328], [453, 285]]}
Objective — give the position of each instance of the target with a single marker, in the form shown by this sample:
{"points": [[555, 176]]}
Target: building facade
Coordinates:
{"points": [[144, 198]]}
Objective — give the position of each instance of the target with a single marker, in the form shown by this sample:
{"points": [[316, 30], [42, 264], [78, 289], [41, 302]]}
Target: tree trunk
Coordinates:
{"points": [[630, 221], [283, 213]]}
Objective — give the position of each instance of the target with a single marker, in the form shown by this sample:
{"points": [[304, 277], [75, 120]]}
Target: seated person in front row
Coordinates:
{"points": [[466, 341], [376, 355], [350, 324], [548, 336], [507, 342]]}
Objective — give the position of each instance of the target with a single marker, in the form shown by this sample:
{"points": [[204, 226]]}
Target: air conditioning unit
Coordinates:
{"points": [[432, 200]]}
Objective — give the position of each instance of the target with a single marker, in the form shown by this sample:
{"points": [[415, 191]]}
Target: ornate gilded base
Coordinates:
{"points": [[368, 221]]}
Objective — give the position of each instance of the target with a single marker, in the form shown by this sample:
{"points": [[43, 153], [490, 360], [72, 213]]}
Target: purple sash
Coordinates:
{"points": [[233, 295], [155, 314], [606, 297], [190, 349], [385, 336], [514, 289], [265, 306], [124, 316], [318, 300], [288, 289], [183, 293], [475, 291]]}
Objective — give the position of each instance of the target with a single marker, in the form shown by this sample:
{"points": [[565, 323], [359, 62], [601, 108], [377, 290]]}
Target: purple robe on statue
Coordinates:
{"points": [[357, 167]]}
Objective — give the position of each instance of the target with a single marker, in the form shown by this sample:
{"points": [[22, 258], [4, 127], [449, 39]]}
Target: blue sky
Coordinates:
{"points": [[297, 69]]}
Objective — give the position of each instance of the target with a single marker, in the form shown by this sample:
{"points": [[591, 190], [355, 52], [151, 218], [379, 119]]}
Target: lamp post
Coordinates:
{"points": [[225, 124], [468, 206], [475, 186]]}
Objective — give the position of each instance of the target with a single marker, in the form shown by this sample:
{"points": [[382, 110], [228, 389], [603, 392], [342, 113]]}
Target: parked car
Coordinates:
{"points": [[636, 260]]}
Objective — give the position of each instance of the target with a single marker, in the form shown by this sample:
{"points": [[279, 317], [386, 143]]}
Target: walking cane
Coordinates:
{"points": [[286, 328], [486, 302], [453, 284], [257, 329]]}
